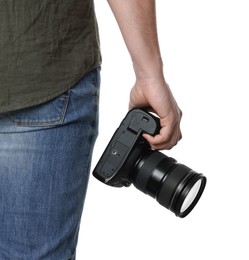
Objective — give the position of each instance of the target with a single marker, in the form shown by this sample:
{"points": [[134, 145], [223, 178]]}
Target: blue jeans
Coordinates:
{"points": [[45, 157]]}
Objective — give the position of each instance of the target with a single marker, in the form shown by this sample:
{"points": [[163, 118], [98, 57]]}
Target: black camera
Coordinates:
{"points": [[129, 159]]}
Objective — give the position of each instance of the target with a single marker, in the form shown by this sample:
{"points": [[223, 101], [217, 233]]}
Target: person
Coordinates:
{"points": [[49, 79]]}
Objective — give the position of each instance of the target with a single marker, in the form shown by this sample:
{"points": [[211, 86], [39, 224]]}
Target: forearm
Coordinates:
{"points": [[137, 22]]}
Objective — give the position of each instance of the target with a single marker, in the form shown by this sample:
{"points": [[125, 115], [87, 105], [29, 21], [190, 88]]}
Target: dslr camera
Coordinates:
{"points": [[129, 159]]}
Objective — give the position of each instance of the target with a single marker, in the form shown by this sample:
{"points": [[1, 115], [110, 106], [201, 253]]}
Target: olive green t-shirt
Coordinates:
{"points": [[46, 46]]}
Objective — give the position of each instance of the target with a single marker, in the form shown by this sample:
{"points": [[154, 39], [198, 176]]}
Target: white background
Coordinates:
{"points": [[205, 47]]}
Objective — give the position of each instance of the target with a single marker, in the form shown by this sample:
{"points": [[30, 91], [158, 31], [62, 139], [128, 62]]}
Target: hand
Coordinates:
{"points": [[155, 96]]}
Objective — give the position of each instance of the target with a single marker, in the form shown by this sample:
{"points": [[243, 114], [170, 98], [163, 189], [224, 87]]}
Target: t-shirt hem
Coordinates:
{"points": [[11, 108]]}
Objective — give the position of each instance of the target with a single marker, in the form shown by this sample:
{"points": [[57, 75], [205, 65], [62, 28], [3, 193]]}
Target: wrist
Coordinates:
{"points": [[152, 68]]}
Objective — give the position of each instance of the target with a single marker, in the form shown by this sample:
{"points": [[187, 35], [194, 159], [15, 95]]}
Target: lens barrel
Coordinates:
{"points": [[174, 185]]}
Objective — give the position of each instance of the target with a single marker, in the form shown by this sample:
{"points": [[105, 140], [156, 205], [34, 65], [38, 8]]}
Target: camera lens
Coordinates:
{"points": [[174, 185]]}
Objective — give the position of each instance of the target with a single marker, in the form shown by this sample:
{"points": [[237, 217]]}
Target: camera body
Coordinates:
{"points": [[118, 161], [129, 159]]}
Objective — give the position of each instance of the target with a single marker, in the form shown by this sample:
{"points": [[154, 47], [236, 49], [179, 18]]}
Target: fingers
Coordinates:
{"points": [[169, 136], [158, 143], [162, 141]]}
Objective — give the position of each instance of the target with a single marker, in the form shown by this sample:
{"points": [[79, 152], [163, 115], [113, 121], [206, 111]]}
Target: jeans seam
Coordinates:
{"points": [[51, 121]]}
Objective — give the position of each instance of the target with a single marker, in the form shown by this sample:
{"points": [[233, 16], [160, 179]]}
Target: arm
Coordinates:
{"points": [[137, 22]]}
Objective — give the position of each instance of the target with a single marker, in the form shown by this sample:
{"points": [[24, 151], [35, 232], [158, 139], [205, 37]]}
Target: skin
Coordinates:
{"points": [[137, 22]]}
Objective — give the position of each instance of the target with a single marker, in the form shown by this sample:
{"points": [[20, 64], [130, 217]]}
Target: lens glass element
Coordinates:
{"points": [[191, 196]]}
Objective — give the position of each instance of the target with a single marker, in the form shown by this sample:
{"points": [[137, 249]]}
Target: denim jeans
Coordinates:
{"points": [[45, 157]]}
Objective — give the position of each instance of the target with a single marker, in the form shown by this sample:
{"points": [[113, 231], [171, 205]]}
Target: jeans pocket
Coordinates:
{"points": [[48, 114]]}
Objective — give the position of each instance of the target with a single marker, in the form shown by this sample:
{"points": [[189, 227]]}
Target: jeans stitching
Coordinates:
{"points": [[51, 122]]}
